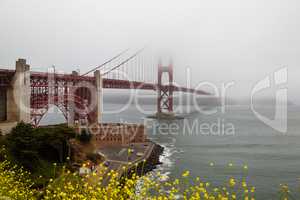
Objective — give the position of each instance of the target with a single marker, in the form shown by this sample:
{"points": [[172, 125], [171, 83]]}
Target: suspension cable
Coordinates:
{"points": [[125, 61], [100, 66]]}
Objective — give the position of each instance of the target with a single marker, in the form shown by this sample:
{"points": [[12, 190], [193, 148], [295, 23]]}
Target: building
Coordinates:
{"points": [[110, 134]]}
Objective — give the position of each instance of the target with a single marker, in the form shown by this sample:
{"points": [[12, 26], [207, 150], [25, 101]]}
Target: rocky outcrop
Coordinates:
{"points": [[150, 163]]}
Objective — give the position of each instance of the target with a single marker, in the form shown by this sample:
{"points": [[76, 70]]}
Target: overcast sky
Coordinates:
{"points": [[221, 41]]}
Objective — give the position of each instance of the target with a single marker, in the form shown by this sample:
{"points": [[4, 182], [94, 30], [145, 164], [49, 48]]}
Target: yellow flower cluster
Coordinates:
{"points": [[93, 186], [104, 185], [14, 184]]}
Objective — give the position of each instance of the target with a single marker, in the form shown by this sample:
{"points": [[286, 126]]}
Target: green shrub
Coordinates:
{"points": [[36, 149], [84, 136]]}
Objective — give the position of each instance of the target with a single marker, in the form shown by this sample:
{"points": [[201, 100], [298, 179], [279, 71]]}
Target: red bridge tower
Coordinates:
{"points": [[165, 91]]}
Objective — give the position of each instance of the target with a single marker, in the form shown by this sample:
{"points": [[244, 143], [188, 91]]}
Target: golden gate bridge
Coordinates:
{"points": [[74, 94]]}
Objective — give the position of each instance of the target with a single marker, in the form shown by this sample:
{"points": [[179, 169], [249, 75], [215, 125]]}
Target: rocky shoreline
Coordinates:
{"points": [[149, 164]]}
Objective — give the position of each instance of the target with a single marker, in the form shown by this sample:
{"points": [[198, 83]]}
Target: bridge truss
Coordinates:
{"points": [[120, 72]]}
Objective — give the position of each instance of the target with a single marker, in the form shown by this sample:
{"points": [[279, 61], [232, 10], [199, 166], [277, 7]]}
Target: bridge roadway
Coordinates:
{"points": [[7, 75]]}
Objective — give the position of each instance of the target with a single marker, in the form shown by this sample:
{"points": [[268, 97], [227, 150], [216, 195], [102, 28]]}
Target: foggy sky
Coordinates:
{"points": [[221, 41]]}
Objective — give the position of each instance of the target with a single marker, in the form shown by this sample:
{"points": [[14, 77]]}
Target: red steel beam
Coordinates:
{"points": [[6, 75]]}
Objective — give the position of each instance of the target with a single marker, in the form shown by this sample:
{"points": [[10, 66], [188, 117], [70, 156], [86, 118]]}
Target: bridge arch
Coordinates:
{"points": [[52, 114], [74, 106]]}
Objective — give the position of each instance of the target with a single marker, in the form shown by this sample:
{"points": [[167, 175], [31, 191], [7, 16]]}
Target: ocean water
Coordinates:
{"points": [[236, 136]]}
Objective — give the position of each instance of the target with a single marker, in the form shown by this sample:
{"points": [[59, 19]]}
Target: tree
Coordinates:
{"points": [[84, 136], [29, 145]]}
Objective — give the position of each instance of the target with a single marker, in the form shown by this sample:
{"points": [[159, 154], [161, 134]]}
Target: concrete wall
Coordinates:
{"points": [[2, 104], [111, 134], [17, 98], [99, 96], [18, 94]]}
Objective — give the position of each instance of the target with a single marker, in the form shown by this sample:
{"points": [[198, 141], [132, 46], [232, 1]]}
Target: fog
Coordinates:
{"points": [[220, 41]]}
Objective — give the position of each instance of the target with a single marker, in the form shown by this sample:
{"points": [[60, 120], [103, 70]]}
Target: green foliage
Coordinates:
{"points": [[36, 149], [29, 145], [22, 144], [84, 136]]}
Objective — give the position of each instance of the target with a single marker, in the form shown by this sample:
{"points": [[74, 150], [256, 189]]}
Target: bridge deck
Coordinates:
{"points": [[6, 76]]}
